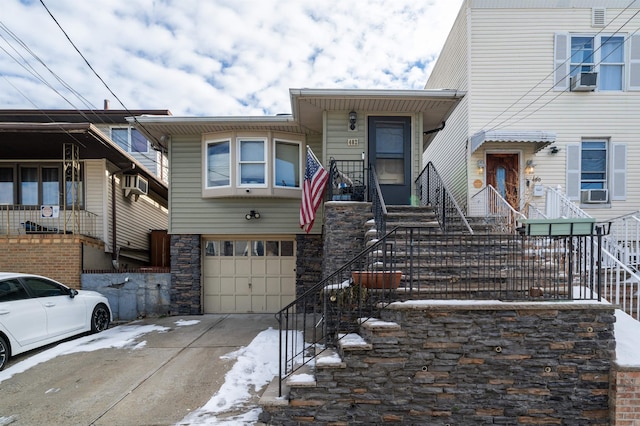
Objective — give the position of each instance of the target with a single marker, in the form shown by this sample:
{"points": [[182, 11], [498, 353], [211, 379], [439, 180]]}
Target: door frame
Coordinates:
{"points": [[520, 178], [408, 122]]}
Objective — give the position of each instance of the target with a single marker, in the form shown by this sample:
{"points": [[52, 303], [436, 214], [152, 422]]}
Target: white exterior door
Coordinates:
{"points": [[248, 275]]}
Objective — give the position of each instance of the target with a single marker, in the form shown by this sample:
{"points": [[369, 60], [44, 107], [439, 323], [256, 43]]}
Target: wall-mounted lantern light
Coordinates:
{"points": [[531, 167], [353, 117], [554, 149], [480, 167], [252, 215]]}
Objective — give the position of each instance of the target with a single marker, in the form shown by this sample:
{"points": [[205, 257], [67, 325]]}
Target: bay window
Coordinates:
{"points": [[252, 164]]}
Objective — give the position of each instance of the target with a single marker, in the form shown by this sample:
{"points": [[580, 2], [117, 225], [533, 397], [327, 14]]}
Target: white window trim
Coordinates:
{"points": [[265, 169], [238, 190], [301, 162], [206, 163], [562, 60], [129, 139]]}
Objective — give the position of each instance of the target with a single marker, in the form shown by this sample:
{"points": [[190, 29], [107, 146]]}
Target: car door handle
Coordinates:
{"points": [[4, 312], [49, 304]]}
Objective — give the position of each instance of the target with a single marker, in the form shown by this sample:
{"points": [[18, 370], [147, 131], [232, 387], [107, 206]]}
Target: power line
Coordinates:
{"points": [[550, 75]]}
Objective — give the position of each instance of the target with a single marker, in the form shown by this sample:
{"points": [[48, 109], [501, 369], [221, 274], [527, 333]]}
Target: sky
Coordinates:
{"points": [[212, 57], [232, 403]]}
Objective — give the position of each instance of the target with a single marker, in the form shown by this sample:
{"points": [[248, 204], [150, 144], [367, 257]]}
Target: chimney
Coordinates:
{"points": [[106, 104]]}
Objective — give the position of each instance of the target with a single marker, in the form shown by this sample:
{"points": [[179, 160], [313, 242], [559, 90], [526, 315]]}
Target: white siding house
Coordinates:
{"points": [[553, 99]]}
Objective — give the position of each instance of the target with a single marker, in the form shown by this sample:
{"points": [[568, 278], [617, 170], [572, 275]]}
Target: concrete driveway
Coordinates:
{"points": [[175, 373]]}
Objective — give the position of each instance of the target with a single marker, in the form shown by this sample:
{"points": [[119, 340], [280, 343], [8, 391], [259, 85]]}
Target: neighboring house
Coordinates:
{"points": [[235, 187], [72, 199], [553, 99]]}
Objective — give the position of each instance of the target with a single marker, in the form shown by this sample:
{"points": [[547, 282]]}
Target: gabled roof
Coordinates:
{"points": [[307, 107]]}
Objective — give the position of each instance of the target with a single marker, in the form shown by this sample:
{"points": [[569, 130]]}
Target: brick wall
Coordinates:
{"points": [[625, 396], [55, 256]]}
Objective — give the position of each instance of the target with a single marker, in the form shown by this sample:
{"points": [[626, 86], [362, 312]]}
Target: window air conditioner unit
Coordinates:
{"points": [[595, 196], [584, 82], [136, 185]]}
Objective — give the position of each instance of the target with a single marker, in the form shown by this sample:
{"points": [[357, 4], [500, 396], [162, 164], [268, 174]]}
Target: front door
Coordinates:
{"points": [[503, 173], [390, 154]]}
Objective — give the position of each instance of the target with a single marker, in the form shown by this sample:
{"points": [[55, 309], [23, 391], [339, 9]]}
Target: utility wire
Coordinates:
{"points": [[550, 75]]}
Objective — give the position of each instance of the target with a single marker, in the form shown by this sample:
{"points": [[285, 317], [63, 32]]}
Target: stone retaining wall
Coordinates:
{"points": [[455, 364]]}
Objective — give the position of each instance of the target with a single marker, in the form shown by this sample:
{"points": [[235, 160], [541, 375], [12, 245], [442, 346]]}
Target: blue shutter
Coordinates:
{"points": [[573, 171], [561, 62], [619, 172], [634, 62]]}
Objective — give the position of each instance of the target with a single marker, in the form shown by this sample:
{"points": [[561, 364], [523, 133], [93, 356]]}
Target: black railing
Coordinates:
{"points": [[346, 181], [378, 205], [426, 264], [431, 191]]}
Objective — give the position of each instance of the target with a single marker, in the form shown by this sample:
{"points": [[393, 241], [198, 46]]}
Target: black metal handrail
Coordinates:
{"points": [[378, 205], [432, 265], [431, 191]]}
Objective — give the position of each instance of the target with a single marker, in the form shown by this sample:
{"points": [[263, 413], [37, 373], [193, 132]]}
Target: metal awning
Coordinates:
{"points": [[540, 138]]}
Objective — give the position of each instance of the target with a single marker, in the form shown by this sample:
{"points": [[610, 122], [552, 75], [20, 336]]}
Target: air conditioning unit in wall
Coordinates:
{"points": [[584, 82], [595, 196], [135, 185]]}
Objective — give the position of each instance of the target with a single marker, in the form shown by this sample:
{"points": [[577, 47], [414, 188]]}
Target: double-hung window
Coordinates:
{"points": [[615, 59], [129, 139], [249, 165], [596, 171]]}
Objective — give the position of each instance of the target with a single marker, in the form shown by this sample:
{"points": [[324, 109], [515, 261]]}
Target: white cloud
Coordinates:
{"points": [[221, 57]]}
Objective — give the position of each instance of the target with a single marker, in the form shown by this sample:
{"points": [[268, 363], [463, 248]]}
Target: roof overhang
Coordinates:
{"points": [[45, 141], [540, 138], [308, 106], [434, 105]]}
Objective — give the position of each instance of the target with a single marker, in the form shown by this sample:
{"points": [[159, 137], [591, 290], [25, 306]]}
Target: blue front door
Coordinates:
{"points": [[390, 154]]}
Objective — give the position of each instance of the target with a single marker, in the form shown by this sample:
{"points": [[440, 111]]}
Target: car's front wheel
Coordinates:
{"points": [[4, 352], [100, 318]]}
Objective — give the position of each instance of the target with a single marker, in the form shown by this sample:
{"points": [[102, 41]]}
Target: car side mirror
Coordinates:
{"points": [[72, 293]]}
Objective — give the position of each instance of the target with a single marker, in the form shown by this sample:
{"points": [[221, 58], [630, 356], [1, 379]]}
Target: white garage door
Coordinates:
{"points": [[242, 275]]}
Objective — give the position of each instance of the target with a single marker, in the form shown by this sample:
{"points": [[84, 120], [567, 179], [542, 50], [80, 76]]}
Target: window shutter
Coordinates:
{"points": [[573, 171], [561, 62], [634, 63], [619, 175]]}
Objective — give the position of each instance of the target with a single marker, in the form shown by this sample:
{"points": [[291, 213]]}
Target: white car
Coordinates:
{"points": [[36, 311]]}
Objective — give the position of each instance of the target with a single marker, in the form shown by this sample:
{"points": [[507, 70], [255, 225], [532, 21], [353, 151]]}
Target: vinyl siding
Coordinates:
{"points": [[190, 213], [448, 151], [510, 53], [96, 199]]}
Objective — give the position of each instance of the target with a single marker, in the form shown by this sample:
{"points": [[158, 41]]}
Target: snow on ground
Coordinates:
{"points": [[256, 365], [123, 336]]}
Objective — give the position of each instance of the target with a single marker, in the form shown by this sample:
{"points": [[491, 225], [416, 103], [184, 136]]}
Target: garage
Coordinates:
{"points": [[248, 275]]}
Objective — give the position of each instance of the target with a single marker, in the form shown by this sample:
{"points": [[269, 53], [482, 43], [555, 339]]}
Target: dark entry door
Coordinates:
{"points": [[504, 175], [390, 154]]}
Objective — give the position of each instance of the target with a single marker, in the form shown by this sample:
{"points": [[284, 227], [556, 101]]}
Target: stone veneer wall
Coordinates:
{"points": [[308, 262], [455, 364], [343, 232], [186, 274]]}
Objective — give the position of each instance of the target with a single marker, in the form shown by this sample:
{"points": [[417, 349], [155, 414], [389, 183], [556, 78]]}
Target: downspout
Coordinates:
{"points": [[114, 249], [437, 129]]}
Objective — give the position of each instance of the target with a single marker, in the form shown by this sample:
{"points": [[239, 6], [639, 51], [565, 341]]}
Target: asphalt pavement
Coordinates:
{"points": [[173, 374]]}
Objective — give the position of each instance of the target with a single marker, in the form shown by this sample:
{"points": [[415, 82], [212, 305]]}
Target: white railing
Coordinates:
{"points": [[625, 234], [557, 204], [620, 278], [17, 219], [488, 203]]}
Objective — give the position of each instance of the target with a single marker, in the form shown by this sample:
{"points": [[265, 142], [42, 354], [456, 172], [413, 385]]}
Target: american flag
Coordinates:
{"points": [[315, 181]]}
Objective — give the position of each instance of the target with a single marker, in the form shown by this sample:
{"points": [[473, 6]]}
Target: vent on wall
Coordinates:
{"points": [[598, 17]]}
